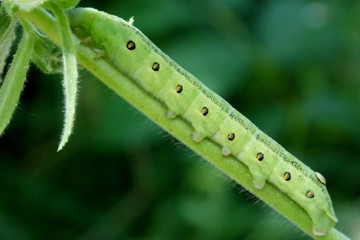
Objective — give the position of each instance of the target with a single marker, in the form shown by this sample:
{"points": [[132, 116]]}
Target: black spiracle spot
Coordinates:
{"points": [[309, 194], [231, 136], [204, 111], [156, 66], [287, 176], [260, 156], [130, 45], [179, 88]]}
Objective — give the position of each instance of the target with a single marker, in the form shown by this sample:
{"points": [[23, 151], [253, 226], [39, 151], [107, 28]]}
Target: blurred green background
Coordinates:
{"points": [[292, 67]]}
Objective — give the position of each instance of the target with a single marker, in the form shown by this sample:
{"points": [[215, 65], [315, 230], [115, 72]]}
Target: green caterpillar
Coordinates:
{"points": [[133, 54]]}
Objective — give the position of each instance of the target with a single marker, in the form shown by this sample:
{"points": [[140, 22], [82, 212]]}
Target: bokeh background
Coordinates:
{"points": [[292, 67]]}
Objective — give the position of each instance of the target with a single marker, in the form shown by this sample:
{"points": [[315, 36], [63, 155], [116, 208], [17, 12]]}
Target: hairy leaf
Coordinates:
{"points": [[70, 71], [7, 37], [14, 81]]}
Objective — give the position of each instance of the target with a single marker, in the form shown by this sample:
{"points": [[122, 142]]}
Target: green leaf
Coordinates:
{"points": [[14, 81], [7, 37], [70, 71]]}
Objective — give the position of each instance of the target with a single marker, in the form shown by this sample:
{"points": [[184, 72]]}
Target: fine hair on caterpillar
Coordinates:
{"points": [[210, 116]]}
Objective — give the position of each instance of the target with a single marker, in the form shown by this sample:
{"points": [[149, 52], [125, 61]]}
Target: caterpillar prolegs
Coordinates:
{"points": [[134, 55]]}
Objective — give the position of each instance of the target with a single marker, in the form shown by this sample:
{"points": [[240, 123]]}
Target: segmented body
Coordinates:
{"points": [[212, 117]]}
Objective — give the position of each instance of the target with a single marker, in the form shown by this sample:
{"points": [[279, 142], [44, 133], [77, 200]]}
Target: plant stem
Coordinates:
{"points": [[180, 129]]}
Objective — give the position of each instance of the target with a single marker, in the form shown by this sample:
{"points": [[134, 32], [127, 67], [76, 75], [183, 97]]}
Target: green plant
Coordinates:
{"points": [[110, 76]]}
